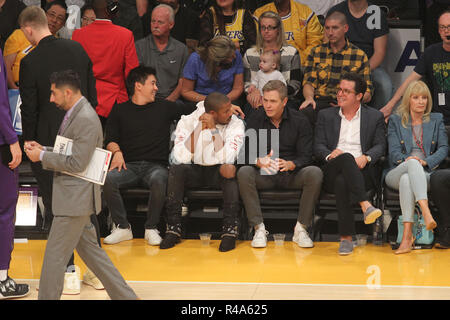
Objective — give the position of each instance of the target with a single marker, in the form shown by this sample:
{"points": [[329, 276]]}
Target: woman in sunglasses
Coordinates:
{"points": [[216, 67]]}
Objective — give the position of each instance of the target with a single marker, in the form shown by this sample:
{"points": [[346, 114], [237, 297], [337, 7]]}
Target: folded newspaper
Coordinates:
{"points": [[97, 169]]}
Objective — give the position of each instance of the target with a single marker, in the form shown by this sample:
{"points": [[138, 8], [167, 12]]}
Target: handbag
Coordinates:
{"points": [[422, 235]]}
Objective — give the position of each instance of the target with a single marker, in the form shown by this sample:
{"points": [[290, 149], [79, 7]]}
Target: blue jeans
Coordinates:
{"points": [[383, 88], [138, 174]]}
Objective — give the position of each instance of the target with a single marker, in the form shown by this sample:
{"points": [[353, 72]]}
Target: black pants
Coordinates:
{"points": [[343, 178], [185, 176], [440, 193], [321, 103]]}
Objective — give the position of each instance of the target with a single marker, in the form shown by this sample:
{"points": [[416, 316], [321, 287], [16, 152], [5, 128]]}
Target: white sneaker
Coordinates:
{"points": [[118, 235], [72, 282], [152, 236], [302, 238], [91, 279], [260, 238]]}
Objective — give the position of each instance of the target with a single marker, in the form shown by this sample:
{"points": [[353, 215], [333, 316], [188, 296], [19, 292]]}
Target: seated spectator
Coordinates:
{"points": [[164, 53], [215, 68], [224, 18], [327, 63], [56, 12], [372, 39], [112, 61], [303, 29], [206, 147], [126, 15], [16, 48], [186, 25], [87, 15], [271, 38], [440, 189], [434, 67], [320, 7], [138, 134], [417, 145], [9, 13], [287, 165], [268, 70], [348, 140]]}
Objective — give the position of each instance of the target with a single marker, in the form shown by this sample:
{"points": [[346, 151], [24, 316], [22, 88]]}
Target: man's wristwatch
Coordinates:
{"points": [[369, 158], [214, 131]]}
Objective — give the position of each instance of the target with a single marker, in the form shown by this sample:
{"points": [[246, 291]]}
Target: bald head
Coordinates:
{"points": [[101, 9]]}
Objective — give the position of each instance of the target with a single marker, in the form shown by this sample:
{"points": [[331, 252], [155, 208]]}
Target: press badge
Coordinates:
{"points": [[441, 99]]}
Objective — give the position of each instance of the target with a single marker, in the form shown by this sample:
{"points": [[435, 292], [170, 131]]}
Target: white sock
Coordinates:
{"points": [[260, 226], [3, 275]]}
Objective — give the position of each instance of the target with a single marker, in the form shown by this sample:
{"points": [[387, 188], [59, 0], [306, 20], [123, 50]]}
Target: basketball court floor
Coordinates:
{"points": [[192, 271]]}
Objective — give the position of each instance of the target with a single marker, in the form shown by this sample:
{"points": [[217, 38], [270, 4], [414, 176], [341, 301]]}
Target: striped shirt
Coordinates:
{"points": [[323, 68], [289, 67]]}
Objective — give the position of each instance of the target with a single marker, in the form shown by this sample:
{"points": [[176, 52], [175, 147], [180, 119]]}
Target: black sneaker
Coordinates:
{"points": [[169, 241], [9, 289], [444, 240], [228, 243]]}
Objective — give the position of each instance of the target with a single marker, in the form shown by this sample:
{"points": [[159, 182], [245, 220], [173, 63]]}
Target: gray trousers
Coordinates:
{"points": [[67, 234], [308, 179], [412, 182]]}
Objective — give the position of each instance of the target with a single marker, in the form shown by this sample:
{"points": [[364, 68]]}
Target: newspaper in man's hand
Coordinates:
{"points": [[97, 169]]}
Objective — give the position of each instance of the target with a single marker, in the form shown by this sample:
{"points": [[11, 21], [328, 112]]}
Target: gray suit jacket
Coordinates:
{"points": [[73, 196]]}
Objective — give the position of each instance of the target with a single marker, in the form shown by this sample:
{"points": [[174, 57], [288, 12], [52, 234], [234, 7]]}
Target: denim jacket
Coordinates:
{"points": [[435, 141]]}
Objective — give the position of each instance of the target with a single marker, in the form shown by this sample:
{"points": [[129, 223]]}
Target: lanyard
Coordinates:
{"points": [[419, 143]]}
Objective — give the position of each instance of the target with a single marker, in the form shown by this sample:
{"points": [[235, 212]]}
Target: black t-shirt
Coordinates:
{"points": [[142, 132], [434, 66], [9, 13], [361, 33]]}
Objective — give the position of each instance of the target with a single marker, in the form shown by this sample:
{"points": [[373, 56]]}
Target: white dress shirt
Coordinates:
{"points": [[350, 135], [204, 154]]}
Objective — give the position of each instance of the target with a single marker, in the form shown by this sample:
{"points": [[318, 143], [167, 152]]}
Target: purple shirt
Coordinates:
{"points": [[7, 133]]}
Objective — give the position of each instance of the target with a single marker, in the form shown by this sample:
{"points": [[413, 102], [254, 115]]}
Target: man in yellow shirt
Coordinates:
{"points": [[302, 27], [16, 47]]}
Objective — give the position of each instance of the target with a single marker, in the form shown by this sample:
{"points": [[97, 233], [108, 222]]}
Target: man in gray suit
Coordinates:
{"points": [[74, 199]]}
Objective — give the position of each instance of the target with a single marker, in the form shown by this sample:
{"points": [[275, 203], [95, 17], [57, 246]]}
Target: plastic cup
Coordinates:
{"points": [[361, 239], [205, 238], [279, 238]]}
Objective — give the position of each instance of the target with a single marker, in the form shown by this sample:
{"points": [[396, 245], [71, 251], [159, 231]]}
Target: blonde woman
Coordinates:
{"points": [[417, 145], [217, 67], [271, 38]]}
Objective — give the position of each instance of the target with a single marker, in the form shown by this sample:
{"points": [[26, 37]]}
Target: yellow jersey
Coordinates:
{"points": [[18, 44]]}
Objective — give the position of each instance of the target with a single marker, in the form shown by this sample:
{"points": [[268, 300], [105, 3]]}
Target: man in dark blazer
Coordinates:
{"points": [[349, 140], [74, 199], [40, 117]]}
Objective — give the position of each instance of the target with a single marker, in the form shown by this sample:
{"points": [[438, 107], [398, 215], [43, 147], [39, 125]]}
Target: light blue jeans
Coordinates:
{"points": [[412, 182], [383, 88]]}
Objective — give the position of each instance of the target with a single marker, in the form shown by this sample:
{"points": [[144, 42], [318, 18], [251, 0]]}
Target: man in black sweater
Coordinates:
{"points": [[138, 135]]}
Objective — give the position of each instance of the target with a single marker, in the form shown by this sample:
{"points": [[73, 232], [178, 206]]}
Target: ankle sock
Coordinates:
{"points": [[3, 275]]}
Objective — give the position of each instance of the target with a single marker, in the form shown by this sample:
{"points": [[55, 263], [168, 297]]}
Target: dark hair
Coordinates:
{"points": [[138, 74], [219, 16], [60, 3], [214, 101], [67, 78], [360, 83], [86, 7]]}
